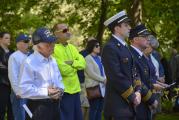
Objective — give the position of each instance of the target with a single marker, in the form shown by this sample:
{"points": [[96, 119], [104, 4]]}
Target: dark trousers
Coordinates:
{"points": [[143, 112], [43, 109], [70, 108], [95, 110], [5, 103], [120, 118]]}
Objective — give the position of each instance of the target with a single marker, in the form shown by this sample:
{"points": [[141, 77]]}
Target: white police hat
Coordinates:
{"points": [[116, 19]]}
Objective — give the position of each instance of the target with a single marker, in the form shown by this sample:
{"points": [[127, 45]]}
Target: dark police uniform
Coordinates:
{"points": [[118, 65], [143, 67]]}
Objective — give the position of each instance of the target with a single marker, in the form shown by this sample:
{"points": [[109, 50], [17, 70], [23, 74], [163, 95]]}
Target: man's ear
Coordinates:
{"points": [[135, 39], [39, 46], [116, 28]]}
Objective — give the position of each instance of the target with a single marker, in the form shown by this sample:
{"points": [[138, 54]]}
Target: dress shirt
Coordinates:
{"points": [[37, 74], [14, 63], [156, 64], [120, 40], [138, 51]]}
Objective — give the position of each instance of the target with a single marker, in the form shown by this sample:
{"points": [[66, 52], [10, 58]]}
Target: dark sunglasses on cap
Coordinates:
{"points": [[64, 30], [97, 46]]}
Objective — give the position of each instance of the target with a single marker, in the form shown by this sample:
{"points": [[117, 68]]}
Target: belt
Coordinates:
{"points": [[44, 100]]}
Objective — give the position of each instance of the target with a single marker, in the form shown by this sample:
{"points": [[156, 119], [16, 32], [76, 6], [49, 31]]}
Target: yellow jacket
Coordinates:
{"points": [[69, 72]]}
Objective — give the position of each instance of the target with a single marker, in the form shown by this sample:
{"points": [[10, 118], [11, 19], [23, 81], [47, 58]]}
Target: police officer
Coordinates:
{"points": [[139, 42], [40, 78], [121, 97]]}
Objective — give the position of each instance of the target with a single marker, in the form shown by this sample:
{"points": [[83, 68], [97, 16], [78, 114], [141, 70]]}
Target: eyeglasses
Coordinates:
{"points": [[96, 46], [63, 31]]}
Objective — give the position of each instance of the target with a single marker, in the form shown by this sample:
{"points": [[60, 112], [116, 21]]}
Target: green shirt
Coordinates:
{"points": [[69, 72]]}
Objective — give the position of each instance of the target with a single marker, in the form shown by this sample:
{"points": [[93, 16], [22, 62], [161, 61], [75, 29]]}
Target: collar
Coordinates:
{"points": [[6, 50], [140, 52], [26, 54], [120, 40], [41, 58]]}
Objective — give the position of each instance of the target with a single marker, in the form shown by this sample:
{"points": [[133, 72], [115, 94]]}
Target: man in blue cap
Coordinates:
{"points": [[121, 97], [139, 42], [40, 79], [14, 64]]}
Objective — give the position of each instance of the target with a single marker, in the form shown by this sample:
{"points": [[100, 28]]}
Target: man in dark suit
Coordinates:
{"points": [[139, 42], [121, 97]]}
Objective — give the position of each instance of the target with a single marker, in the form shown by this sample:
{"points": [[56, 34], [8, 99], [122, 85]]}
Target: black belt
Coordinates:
{"points": [[44, 100]]}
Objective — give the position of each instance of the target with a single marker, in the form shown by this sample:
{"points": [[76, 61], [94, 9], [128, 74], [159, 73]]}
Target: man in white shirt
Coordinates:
{"points": [[40, 78], [14, 63]]}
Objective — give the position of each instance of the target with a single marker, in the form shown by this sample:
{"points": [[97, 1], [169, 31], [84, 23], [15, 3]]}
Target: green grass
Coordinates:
{"points": [[165, 116]]}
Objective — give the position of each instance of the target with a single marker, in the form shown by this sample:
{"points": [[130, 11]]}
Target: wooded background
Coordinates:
{"points": [[86, 17]]}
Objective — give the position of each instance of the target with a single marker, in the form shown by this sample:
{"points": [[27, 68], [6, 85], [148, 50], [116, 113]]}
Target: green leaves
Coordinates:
{"points": [[84, 17]]}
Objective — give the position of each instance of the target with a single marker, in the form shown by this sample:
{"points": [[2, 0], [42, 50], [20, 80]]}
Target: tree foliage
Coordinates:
{"points": [[86, 17]]}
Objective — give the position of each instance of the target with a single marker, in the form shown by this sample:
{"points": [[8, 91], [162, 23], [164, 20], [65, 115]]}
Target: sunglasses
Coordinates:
{"points": [[26, 41], [64, 30], [96, 46]]}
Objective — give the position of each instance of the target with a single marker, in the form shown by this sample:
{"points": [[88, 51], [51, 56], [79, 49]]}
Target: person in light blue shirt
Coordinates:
{"points": [[14, 63], [40, 79]]}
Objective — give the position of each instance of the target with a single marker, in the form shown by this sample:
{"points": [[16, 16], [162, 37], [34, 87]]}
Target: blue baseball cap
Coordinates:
{"points": [[43, 35], [22, 37], [139, 30]]}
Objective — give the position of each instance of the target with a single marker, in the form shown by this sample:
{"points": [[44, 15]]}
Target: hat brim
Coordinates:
{"points": [[20, 40], [127, 20], [50, 40], [144, 34]]}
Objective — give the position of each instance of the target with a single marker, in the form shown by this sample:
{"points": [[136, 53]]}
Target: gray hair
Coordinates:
{"points": [[153, 42]]}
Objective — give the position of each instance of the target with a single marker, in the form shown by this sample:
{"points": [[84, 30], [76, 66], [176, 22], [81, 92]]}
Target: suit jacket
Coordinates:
{"points": [[142, 111], [4, 66], [92, 73], [118, 63], [144, 71]]}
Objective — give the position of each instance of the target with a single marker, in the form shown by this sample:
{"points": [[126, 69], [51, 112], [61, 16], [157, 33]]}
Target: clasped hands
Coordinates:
{"points": [[55, 93], [137, 99]]}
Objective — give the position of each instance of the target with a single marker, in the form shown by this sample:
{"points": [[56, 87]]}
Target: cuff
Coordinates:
{"points": [[129, 94]]}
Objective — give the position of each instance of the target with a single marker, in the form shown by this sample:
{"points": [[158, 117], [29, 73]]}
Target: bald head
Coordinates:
{"points": [[58, 27]]}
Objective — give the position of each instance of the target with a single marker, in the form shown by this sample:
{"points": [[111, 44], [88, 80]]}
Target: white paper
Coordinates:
{"points": [[102, 89], [172, 84], [27, 110]]}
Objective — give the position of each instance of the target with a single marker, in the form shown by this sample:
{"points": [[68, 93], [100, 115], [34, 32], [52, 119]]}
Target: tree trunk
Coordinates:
{"points": [[104, 5], [136, 12]]}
